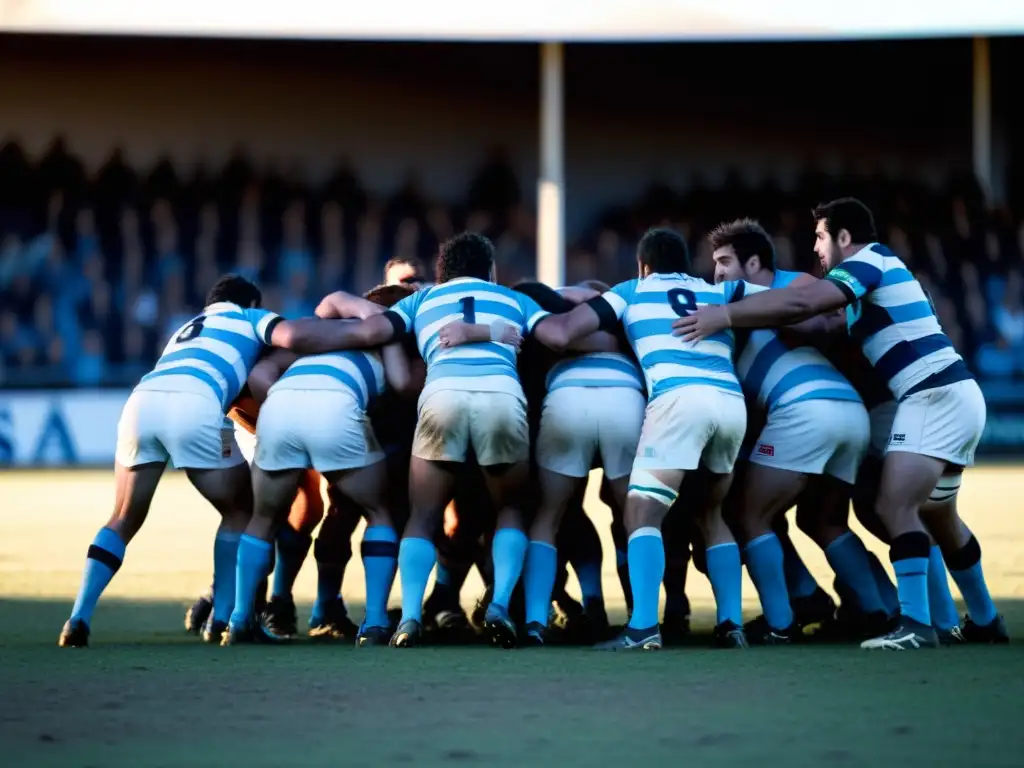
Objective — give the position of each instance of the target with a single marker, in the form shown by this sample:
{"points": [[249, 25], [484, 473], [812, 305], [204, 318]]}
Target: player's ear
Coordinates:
{"points": [[843, 239], [753, 264]]}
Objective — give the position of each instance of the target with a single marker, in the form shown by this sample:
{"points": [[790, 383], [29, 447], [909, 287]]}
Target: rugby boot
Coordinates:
{"points": [[213, 631], [197, 614], [534, 634], [675, 627], [951, 636], [993, 633], [372, 636], [476, 618], [909, 635], [728, 634], [813, 611], [408, 635], [255, 633], [280, 616], [630, 639], [499, 627], [75, 634], [334, 624], [760, 632]]}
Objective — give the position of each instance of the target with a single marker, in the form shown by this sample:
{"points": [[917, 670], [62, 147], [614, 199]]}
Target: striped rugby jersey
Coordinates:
{"points": [[358, 372], [486, 366], [775, 375], [890, 316], [215, 351], [647, 308], [595, 369]]}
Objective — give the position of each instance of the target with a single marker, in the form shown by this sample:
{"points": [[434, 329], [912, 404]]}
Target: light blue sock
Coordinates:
{"points": [[416, 558], [101, 563], [971, 583], [380, 558], [292, 548], [725, 572], [539, 580], [765, 566], [912, 586], [886, 589], [940, 599], [253, 565], [646, 569], [849, 559], [225, 568], [589, 577], [799, 581], [508, 551]]}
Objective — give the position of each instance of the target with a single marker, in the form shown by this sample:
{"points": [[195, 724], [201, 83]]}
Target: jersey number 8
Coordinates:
{"points": [[682, 301], [191, 330]]}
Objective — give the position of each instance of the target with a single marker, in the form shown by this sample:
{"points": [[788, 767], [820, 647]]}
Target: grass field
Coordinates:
{"points": [[147, 695]]}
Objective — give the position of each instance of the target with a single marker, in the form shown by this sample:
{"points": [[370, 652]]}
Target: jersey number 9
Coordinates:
{"points": [[191, 330], [682, 301]]}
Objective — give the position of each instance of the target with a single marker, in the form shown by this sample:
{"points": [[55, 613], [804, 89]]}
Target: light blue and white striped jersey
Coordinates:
{"points": [[358, 372], [649, 306], [595, 369], [478, 367], [890, 316], [215, 350], [774, 374]]}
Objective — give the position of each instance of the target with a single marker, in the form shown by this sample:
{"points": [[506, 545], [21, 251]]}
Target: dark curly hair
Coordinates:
{"points": [[663, 251], [466, 255], [236, 290], [748, 238]]}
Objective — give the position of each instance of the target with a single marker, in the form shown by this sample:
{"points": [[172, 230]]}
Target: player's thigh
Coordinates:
{"points": [[881, 417], [285, 419], [142, 420], [366, 486], [204, 439], [442, 428], [568, 432], [620, 422], [228, 489], [851, 428], [677, 426], [729, 412], [944, 423], [499, 430]]}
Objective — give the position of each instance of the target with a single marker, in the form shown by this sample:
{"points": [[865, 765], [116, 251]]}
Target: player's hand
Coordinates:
{"points": [[511, 335], [455, 334], [702, 323]]}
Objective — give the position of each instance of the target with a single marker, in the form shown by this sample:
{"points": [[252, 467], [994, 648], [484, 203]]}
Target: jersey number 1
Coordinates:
{"points": [[191, 330], [682, 301], [468, 304]]}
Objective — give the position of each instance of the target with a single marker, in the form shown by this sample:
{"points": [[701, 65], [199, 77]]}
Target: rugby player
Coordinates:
{"points": [[815, 436], [940, 412], [176, 413], [315, 416], [695, 414], [472, 398]]}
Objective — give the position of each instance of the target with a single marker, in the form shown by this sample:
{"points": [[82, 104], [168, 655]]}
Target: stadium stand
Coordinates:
{"points": [[96, 271]]}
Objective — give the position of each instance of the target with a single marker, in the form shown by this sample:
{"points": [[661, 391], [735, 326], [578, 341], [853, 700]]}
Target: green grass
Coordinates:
{"points": [[148, 695]]}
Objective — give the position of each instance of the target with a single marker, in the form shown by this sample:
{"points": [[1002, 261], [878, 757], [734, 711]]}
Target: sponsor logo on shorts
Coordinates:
{"points": [[225, 443], [648, 453], [898, 437], [766, 450]]}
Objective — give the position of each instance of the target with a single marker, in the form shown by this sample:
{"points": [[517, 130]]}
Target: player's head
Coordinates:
{"points": [[841, 228], [466, 255], [662, 251], [741, 249], [390, 294], [404, 270], [235, 289]]}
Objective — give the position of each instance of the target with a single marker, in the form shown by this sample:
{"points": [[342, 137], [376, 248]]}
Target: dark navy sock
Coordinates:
{"points": [[292, 548]]}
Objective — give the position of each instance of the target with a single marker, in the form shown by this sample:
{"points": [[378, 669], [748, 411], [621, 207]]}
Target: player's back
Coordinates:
{"points": [[213, 352], [776, 374], [359, 373], [653, 304], [595, 369]]}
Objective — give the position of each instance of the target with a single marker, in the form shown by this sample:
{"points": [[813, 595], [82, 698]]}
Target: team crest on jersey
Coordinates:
{"points": [[766, 450]]}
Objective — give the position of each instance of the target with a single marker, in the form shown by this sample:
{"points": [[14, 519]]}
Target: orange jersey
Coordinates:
{"points": [[244, 411]]}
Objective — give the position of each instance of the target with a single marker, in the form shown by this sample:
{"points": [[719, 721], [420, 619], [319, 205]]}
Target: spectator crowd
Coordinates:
{"points": [[97, 270]]}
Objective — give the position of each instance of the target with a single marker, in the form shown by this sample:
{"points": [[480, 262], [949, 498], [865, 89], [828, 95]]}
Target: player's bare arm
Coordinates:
{"points": [[460, 332], [312, 337], [268, 370], [339, 305], [578, 294], [557, 332], [767, 309], [398, 371]]}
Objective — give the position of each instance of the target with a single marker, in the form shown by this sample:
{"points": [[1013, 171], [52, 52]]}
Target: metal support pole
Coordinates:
{"points": [[981, 137], [551, 184]]}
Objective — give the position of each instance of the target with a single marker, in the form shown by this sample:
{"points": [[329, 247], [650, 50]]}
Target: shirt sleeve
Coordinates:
{"points": [[263, 322], [858, 276], [532, 312], [403, 314]]}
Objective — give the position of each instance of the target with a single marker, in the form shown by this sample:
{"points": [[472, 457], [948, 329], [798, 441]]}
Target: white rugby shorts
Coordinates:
{"points": [[246, 441], [944, 423], [321, 429], [688, 426], [493, 423], [579, 423], [185, 428], [815, 437], [881, 417]]}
